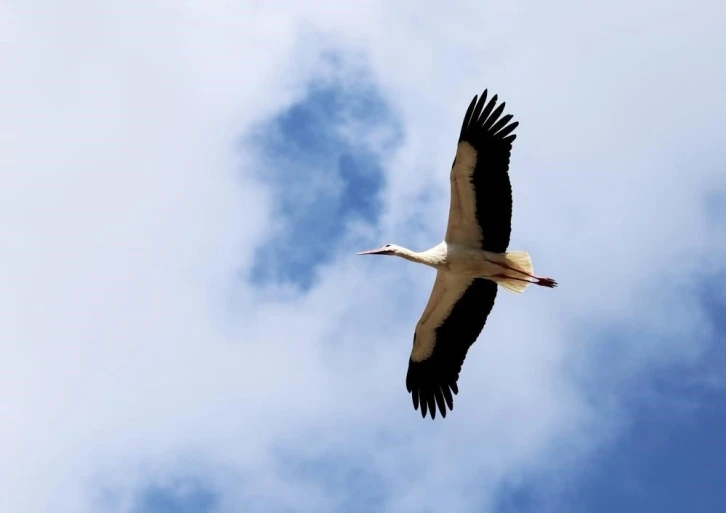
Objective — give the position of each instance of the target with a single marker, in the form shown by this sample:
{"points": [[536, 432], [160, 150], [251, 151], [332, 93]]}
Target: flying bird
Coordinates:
{"points": [[472, 260]]}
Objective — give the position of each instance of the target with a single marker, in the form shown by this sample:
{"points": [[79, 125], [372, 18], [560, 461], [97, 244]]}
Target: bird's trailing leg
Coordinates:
{"points": [[546, 282], [535, 280], [517, 267], [518, 272]]}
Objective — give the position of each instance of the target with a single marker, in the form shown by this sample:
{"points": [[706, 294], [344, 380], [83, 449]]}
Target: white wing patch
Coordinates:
{"points": [[448, 289], [463, 227]]}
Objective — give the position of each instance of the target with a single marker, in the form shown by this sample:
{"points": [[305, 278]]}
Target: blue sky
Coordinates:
{"points": [[669, 455], [185, 497], [187, 327], [667, 458], [321, 178]]}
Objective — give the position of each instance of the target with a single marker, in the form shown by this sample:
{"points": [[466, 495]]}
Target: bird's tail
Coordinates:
{"points": [[516, 281]]}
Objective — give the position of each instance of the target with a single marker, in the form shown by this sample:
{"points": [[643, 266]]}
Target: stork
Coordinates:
{"points": [[472, 260]]}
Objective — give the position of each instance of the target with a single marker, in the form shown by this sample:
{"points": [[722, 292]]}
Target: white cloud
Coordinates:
{"points": [[127, 212]]}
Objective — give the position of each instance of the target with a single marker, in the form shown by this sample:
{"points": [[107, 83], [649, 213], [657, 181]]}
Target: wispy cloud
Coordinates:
{"points": [[133, 354]]}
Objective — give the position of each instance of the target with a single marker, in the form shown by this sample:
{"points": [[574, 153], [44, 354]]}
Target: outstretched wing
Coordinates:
{"points": [[480, 213], [451, 322]]}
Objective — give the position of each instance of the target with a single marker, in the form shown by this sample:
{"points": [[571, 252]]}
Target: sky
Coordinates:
{"points": [[185, 326]]}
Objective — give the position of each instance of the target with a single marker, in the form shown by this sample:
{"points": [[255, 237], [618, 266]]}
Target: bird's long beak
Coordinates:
{"points": [[379, 251]]}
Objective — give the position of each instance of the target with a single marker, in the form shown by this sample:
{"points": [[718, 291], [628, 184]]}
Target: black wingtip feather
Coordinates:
{"points": [[432, 405], [477, 110], [447, 396], [487, 125], [439, 395], [500, 124], [490, 106], [507, 130], [482, 119], [467, 118]]}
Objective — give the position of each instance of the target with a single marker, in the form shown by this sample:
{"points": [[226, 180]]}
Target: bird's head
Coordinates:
{"points": [[388, 249]]}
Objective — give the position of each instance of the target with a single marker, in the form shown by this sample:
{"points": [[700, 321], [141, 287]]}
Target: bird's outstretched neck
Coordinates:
{"points": [[431, 257], [408, 254]]}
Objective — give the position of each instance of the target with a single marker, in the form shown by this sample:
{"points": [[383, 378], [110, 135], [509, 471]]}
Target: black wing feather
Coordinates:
{"points": [[489, 108], [509, 129], [468, 116], [490, 137], [432, 381], [501, 123]]}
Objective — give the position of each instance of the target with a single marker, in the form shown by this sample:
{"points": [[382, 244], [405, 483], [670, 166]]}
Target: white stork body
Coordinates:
{"points": [[470, 261], [462, 259]]}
